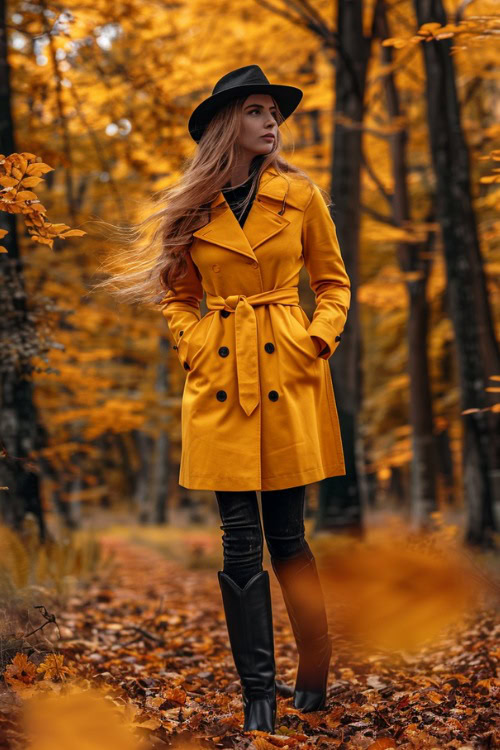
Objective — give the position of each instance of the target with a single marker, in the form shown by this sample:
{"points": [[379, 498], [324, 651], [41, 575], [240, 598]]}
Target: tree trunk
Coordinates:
{"points": [[18, 417], [141, 494], [159, 468], [340, 501], [476, 346], [412, 260]]}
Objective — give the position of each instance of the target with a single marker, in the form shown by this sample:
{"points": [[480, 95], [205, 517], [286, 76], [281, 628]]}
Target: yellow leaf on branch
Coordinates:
{"points": [[31, 181]]}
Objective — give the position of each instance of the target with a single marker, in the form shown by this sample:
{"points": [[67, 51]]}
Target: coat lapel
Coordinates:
{"points": [[262, 223]]}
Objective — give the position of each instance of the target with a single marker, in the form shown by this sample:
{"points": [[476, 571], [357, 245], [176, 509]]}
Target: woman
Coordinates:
{"points": [[258, 408]]}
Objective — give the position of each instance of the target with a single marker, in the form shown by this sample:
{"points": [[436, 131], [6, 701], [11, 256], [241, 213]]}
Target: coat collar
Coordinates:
{"points": [[263, 220]]}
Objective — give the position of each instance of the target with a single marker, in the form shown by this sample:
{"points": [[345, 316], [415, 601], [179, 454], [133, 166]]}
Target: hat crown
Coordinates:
{"points": [[245, 76]]}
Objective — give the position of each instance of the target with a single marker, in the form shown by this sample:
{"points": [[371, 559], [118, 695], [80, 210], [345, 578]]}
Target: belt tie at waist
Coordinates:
{"points": [[247, 351]]}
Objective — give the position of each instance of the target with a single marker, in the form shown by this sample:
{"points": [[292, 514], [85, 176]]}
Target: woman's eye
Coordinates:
{"points": [[258, 110]]}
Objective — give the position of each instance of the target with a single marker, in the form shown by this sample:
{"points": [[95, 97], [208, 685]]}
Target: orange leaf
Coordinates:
{"points": [[53, 666], [8, 181], [382, 744], [435, 697], [73, 233], [31, 181], [43, 240], [58, 227], [39, 168], [26, 195], [21, 670]]}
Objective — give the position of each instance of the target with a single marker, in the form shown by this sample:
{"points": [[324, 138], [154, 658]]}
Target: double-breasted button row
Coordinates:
{"points": [[224, 351], [337, 338], [222, 395]]}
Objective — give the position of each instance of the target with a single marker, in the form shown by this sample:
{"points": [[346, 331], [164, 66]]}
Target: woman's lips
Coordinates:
{"points": [[268, 137]]}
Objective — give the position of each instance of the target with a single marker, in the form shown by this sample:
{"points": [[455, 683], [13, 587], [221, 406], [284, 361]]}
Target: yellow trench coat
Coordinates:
{"points": [[258, 407]]}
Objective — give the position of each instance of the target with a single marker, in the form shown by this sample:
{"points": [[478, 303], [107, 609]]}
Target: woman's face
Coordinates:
{"points": [[259, 119]]}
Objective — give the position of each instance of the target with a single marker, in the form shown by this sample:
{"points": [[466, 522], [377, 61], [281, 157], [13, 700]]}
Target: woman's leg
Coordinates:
{"points": [[246, 595], [242, 540], [295, 567], [283, 519]]}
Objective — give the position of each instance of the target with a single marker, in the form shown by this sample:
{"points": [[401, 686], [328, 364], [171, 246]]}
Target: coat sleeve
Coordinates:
{"points": [[182, 308], [327, 275]]}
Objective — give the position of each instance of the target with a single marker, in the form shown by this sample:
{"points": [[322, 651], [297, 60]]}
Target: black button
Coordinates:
{"points": [[223, 351], [269, 347], [273, 395], [186, 366], [337, 338], [221, 395], [180, 333], [225, 313], [174, 347]]}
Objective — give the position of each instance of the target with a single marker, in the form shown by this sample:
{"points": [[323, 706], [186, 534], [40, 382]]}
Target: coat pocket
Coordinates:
{"points": [[300, 334], [192, 348]]}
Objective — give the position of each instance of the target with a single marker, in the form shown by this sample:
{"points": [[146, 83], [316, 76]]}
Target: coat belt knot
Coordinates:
{"points": [[247, 350]]}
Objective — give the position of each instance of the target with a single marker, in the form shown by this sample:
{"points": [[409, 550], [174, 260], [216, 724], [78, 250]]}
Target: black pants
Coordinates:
{"points": [[242, 541]]}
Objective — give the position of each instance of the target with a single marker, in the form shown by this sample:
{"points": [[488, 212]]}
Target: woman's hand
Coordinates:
{"points": [[320, 344]]}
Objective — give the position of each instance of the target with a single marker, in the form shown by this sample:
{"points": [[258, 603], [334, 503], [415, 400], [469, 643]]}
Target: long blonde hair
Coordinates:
{"points": [[152, 252]]}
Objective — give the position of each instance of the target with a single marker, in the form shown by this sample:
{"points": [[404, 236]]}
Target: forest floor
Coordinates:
{"points": [[152, 634]]}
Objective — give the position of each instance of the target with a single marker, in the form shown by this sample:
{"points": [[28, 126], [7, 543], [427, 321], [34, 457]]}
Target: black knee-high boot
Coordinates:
{"points": [[250, 627], [303, 595]]}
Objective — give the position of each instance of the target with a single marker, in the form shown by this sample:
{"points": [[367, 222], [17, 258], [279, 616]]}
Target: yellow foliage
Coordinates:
{"points": [[25, 561], [14, 560], [14, 198], [53, 667]]}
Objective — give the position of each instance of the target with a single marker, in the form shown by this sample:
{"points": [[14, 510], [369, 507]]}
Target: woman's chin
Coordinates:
{"points": [[265, 147]]}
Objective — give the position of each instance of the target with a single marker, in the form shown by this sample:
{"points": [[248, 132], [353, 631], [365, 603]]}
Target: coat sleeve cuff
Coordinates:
{"points": [[331, 338], [180, 325]]}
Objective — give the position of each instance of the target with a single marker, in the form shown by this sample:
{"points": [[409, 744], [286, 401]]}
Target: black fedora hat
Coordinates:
{"points": [[240, 82]]}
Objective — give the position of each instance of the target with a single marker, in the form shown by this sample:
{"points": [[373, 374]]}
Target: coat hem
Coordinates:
{"points": [[276, 482]]}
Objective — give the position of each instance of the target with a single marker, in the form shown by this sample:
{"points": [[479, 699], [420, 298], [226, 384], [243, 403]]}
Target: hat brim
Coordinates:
{"points": [[288, 98]]}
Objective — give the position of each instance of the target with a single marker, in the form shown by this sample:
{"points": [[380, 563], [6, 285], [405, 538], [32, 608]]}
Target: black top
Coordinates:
{"points": [[235, 195]]}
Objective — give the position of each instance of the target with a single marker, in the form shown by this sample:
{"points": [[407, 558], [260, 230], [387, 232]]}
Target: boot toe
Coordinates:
{"points": [[260, 714], [308, 700]]}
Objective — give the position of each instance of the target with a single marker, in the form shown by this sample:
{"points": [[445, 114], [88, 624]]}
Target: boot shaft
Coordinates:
{"points": [[249, 623]]}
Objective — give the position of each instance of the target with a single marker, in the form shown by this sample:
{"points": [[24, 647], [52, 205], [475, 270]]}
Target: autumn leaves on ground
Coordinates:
{"points": [[110, 644]]}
